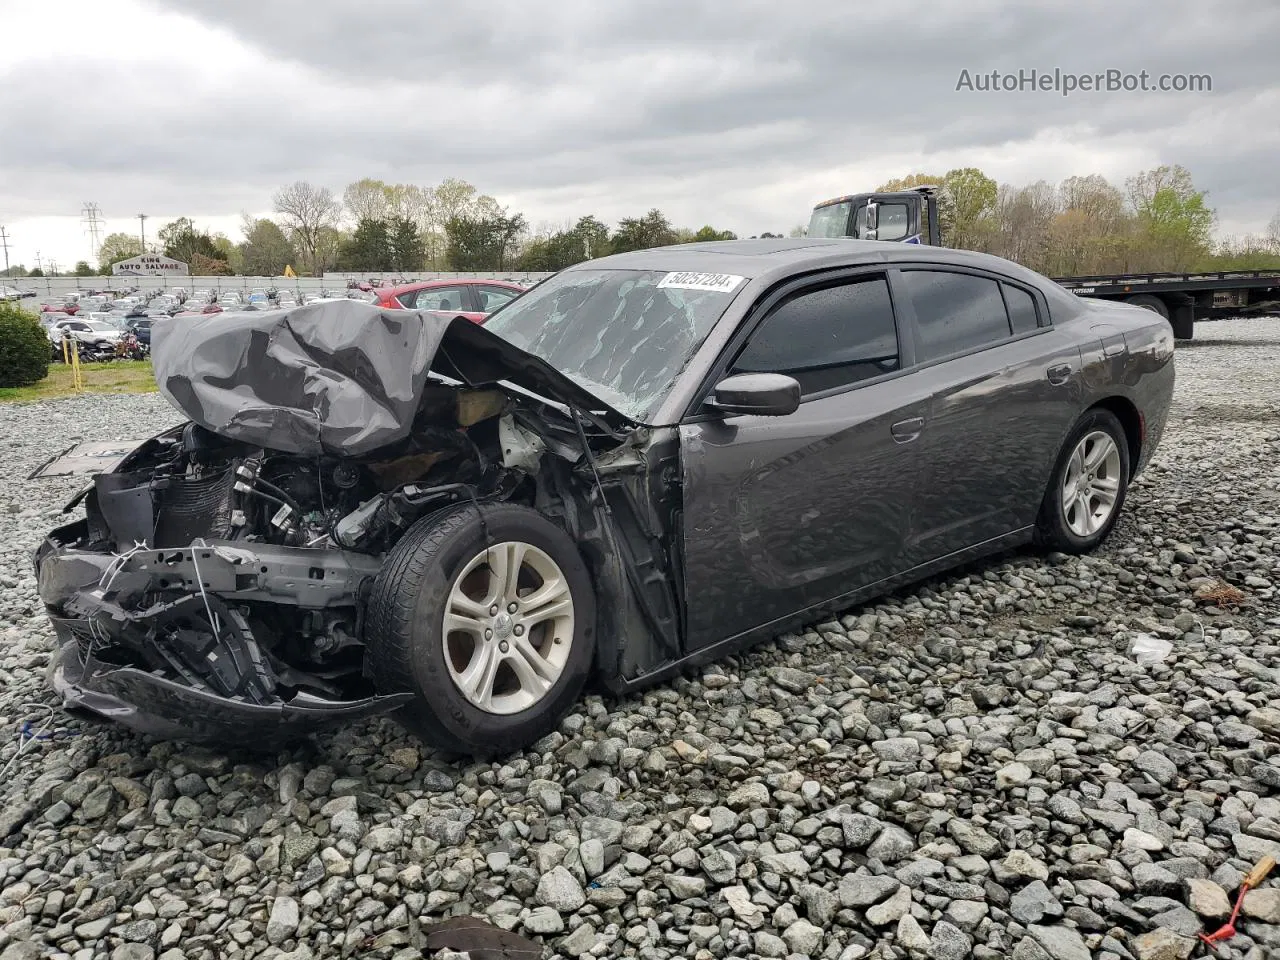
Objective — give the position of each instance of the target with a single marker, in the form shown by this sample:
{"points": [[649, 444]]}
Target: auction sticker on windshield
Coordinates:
{"points": [[715, 282]]}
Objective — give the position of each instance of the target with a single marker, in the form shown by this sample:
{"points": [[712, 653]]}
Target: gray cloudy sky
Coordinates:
{"points": [[739, 114]]}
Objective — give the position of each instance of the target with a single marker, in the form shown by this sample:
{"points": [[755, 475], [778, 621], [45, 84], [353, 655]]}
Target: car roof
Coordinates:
{"points": [[428, 284], [769, 261]]}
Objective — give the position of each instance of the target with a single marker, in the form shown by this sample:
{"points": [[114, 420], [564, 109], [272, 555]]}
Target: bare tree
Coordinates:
{"points": [[1273, 233], [308, 211], [1092, 196], [1024, 215]]}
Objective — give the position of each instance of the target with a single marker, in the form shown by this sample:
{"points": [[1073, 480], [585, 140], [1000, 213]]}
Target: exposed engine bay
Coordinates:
{"points": [[217, 586]]}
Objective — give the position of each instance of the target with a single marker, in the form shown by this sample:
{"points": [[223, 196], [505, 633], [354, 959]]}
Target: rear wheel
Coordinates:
{"points": [[1087, 487], [488, 616], [1148, 302]]}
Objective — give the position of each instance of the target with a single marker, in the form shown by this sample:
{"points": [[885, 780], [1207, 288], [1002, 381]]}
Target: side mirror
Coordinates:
{"points": [[871, 220], [757, 394]]}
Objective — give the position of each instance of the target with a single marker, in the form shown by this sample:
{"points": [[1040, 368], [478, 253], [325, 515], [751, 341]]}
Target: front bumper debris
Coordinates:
{"points": [[156, 668]]}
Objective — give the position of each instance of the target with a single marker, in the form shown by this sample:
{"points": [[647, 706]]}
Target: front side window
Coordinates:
{"points": [[829, 338], [892, 222], [491, 298], [955, 312]]}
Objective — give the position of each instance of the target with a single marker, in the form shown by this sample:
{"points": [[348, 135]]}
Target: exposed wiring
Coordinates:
{"points": [[117, 564], [204, 595]]}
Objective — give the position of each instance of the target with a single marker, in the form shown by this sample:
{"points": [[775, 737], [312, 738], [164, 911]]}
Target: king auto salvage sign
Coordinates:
{"points": [[150, 265]]}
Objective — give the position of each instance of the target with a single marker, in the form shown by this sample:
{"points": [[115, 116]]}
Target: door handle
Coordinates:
{"points": [[1058, 373], [904, 431]]}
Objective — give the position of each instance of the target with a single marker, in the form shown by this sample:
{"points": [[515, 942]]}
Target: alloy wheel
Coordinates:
{"points": [[508, 627], [1091, 484]]}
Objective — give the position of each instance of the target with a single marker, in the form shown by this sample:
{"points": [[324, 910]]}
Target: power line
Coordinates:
{"points": [[90, 217]]}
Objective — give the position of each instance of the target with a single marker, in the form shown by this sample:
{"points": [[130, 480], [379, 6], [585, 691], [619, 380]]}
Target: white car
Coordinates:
{"points": [[97, 336]]}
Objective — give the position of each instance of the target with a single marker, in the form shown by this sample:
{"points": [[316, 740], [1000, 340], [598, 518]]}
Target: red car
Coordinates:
{"points": [[473, 299]]}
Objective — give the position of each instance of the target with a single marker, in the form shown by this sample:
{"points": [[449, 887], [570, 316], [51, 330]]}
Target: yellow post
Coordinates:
{"points": [[76, 380], [65, 357]]}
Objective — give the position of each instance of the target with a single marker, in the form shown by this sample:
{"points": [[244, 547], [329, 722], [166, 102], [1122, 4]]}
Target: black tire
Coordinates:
{"points": [[404, 629], [1148, 302], [1052, 531]]}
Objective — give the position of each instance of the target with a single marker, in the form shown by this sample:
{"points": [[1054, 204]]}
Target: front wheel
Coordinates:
{"points": [[1088, 485], [487, 614]]}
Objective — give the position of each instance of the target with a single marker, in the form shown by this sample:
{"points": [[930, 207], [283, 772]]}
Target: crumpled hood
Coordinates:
{"points": [[339, 377]]}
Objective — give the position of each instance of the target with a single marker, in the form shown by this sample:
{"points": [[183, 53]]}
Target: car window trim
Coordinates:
{"points": [[761, 310], [907, 317], [1035, 303]]}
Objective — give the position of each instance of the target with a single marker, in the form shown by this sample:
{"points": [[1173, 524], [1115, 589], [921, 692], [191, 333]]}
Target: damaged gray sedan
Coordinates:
{"points": [[643, 463]]}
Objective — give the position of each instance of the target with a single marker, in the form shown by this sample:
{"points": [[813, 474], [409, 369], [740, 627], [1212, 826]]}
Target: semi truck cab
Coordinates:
{"points": [[905, 216]]}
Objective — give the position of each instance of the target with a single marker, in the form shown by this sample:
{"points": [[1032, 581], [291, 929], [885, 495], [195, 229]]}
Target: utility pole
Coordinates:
{"points": [[90, 217], [38, 266], [53, 268], [4, 242], [142, 230]]}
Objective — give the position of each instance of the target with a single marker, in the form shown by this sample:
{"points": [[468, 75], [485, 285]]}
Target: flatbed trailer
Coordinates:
{"points": [[1184, 298], [911, 216]]}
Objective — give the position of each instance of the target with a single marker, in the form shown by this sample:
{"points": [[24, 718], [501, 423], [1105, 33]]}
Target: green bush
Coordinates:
{"points": [[24, 347]]}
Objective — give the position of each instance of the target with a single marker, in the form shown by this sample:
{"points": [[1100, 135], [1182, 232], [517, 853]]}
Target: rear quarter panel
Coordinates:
{"points": [[1144, 374]]}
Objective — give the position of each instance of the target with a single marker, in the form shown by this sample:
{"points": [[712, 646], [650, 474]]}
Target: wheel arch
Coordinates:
{"points": [[1134, 428]]}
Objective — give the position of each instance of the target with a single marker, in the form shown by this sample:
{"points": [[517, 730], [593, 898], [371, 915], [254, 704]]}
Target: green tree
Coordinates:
{"points": [[709, 233], [587, 239], [484, 240], [37, 272], [182, 241], [970, 208], [83, 269], [205, 266], [24, 347], [1174, 223], [116, 247], [642, 233], [265, 250], [593, 234], [405, 245], [369, 247], [910, 180]]}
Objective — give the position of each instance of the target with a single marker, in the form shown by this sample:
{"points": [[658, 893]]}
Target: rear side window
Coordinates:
{"points": [[1022, 309], [955, 312], [828, 338]]}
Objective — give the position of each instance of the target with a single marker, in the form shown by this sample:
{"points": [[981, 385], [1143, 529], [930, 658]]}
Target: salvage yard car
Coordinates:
{"points": [[644, 463]]}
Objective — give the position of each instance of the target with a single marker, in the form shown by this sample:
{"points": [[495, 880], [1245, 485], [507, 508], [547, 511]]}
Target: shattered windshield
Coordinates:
{"points": [[624, 335]]}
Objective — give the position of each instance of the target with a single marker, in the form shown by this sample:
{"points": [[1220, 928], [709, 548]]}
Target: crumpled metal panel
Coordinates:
{"points": [[338, 377]]}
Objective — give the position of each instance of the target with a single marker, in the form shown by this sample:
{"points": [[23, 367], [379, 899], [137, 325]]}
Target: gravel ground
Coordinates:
{"points": [[979, 767]]}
